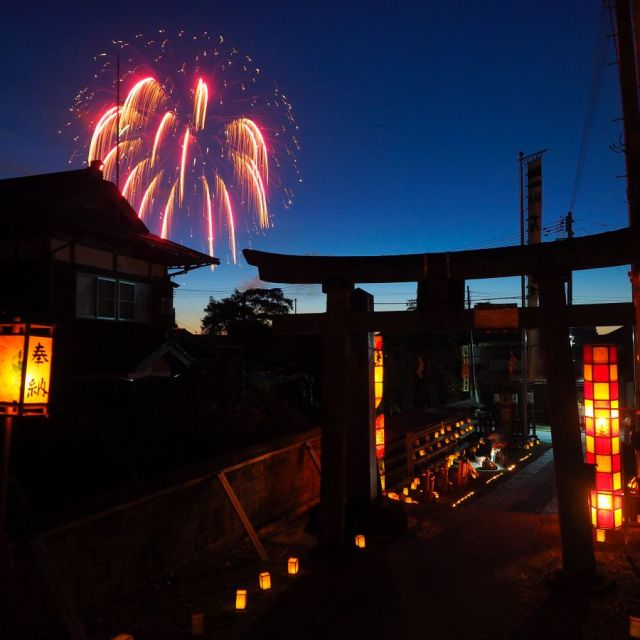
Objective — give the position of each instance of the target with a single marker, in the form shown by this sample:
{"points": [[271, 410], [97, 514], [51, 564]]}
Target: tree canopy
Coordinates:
{"points": [[243, 311]]}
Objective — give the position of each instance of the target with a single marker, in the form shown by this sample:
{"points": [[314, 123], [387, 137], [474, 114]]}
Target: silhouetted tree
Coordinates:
{"points": [[244, 312]]}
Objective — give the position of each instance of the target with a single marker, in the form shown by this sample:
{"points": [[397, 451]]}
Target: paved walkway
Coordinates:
{"points": [[529, 487], [479, 571]]}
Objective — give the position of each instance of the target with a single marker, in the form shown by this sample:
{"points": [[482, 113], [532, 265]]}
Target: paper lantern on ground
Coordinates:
{"points": [[197, 624], [241, 599], [360, 541], [602, 433], [292, 566], [265, 580]]}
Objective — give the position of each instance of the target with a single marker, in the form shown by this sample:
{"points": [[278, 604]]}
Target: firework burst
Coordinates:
{"points": [[196, 146]]}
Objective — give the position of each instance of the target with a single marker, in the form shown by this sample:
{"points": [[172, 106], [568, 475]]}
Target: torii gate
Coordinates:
{"points": [[348, 450]]}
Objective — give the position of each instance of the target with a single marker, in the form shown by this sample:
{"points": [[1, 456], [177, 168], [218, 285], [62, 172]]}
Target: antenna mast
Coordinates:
{"points": [[118, 122]]}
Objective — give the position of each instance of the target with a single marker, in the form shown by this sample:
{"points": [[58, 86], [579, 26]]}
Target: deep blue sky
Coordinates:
{"points": [[411, 118]]}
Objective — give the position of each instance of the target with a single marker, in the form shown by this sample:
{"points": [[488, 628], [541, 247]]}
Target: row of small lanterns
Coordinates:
{"points": [[264, 582], [461, 429], [293, 567]]}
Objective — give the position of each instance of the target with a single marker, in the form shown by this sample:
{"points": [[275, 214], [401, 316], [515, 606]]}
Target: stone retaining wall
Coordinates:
{"points": [[107, 553]]}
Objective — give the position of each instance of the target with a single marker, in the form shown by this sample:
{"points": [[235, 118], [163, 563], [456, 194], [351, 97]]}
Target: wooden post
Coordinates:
{"points": [[571, 472], [4, 477], [627, 61], [333, 481]]}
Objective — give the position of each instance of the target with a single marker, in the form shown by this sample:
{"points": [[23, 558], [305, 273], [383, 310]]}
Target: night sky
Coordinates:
{"points": [[411, 118]]}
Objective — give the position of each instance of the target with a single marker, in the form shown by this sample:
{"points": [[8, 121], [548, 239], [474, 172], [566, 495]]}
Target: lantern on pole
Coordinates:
{"points": [[378, 390], [602, 428], [25, 368], [25, 373]]}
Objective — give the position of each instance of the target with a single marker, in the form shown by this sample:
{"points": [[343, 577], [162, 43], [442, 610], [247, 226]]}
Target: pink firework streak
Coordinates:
{"points": [[192, 142]]}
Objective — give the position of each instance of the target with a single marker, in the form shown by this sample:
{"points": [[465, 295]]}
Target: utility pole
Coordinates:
{"points": [[472, 362], [569, 227], [631, 118], [118, 122], [523, 301]]}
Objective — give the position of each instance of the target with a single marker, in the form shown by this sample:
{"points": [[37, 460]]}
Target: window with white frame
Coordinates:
{"points": [[111, 299]]}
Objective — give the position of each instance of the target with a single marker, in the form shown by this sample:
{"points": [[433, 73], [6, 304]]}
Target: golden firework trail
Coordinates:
{"points": [[223, 198], [189, 136], [144, 116]]}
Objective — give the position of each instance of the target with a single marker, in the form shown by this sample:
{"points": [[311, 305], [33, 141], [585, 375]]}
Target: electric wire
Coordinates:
{"points": [[592, 103]]}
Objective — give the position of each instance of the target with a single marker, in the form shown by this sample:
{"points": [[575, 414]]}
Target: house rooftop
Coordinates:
{"points": [[82, 205]]}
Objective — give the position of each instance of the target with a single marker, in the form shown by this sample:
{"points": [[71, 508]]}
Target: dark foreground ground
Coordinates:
{"points": [[482, 570]]}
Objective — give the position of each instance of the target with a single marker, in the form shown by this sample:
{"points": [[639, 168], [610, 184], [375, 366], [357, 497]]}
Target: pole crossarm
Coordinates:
{"points": [[609, 249], [582, 315]]}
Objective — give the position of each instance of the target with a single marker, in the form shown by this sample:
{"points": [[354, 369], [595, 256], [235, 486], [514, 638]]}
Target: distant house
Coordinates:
{"points": [[74, 252]]}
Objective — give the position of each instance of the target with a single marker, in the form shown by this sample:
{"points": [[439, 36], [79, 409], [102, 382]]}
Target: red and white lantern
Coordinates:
{"points": [[602, 426]]}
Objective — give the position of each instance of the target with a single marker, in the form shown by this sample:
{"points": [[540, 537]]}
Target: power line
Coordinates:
{"points": [[592, 103]]}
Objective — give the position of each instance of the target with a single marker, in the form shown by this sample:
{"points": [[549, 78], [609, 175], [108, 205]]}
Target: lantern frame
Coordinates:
{"points": [[25, 382], [602, 433]]}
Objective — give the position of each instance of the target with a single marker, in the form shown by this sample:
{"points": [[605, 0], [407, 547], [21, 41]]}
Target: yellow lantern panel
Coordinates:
{"points": [[25, 368], [604, 501], [617, 481], [603, 464], [615, 428], [11, 358], [589, 444], [617, 518], [602, 427], [588, 408], [378, 393], [601, 391], [36, 383]]}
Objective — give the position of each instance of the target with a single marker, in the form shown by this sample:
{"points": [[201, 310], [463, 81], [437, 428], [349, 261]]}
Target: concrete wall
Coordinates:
{"points": [[110, 552]]}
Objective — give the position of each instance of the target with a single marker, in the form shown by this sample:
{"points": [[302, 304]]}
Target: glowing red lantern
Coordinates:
{"points": [[602, 426], [378, 381]]}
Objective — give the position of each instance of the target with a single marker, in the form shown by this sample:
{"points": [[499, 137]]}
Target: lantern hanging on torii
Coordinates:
{"points": [[378, 377], [602, 434]]}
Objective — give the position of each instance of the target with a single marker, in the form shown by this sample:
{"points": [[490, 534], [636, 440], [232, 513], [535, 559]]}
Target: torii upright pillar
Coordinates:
{"points": [[349, 481], [572, 477]]}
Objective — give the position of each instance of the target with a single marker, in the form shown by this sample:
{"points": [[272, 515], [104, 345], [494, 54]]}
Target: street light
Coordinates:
{"points": [[25, 373]]}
